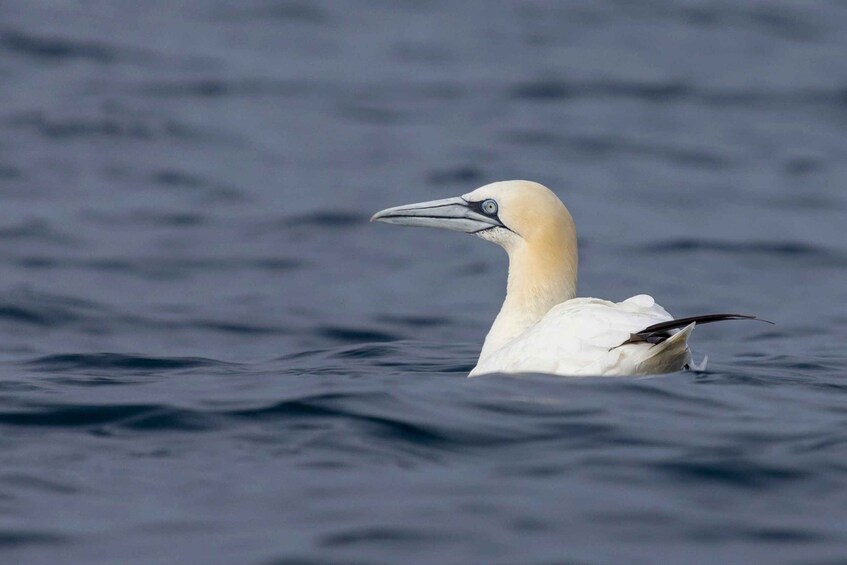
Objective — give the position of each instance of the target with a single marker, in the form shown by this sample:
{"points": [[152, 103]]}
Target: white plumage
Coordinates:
{"points": [[580, 337], [541, 326]]}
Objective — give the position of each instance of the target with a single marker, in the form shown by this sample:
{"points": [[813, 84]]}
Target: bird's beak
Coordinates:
{"points": [[455, 214]]}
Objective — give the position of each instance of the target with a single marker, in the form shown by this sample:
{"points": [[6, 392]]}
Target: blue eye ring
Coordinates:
{"points": [[489, 207]]}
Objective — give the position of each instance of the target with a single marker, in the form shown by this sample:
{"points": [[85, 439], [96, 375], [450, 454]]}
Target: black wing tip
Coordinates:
{"points": [[722, 317], [657, 333], [704, 319]]}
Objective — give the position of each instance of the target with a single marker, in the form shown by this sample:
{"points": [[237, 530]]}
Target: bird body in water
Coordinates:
{"points": [[542, 327]]}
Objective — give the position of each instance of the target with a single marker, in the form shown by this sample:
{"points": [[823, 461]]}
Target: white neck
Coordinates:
{"points": [[542, 274]]}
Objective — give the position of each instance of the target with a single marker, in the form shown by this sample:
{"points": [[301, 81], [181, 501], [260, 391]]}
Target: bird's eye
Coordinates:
{"points": [[489, 207]]}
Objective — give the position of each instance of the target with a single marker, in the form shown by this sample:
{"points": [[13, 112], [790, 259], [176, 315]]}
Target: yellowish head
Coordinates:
{"points": [[505, 212], [529, 210]]}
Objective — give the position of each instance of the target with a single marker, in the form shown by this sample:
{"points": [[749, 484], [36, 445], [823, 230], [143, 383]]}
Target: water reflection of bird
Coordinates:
{"points": [[541, 326]]}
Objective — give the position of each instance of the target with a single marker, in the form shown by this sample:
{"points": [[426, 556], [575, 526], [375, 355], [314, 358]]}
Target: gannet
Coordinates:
{"points": [[542, 327]]}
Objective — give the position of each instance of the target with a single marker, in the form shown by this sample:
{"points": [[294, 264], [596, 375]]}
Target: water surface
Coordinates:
{"points": [[207, 354]]}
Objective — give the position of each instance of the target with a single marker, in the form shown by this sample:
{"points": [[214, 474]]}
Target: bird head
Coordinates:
{"points": [[509, 213]]}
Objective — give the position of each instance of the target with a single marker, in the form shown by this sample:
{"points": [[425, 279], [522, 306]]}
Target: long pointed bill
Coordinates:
{"points": [[455, 214]]}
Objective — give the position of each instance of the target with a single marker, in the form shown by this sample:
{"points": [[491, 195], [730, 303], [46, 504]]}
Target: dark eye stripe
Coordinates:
{"points": [[479, 207]]}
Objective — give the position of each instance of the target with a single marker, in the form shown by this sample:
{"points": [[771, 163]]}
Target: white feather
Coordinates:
{"points": [[580, 337]]}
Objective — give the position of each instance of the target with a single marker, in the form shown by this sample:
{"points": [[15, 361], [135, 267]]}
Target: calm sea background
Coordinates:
{"points": [[208, 355]]}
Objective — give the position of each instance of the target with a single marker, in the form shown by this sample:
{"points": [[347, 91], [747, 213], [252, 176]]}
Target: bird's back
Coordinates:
{"points": [[580, 337]]}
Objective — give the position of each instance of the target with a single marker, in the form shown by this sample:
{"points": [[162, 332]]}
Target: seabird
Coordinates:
{"points": [[542, 327]]}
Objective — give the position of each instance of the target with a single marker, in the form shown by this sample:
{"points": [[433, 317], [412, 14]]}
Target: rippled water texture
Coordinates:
{"points": [[207, 354]]}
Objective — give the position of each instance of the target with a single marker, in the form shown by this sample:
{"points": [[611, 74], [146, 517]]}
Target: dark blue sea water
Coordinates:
{"points": [[207, 354]]}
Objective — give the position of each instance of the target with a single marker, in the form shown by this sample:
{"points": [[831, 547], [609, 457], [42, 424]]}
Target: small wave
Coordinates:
{"points": [[72, 416], [398, 356], [406, 357], [56, 48], [465, 174], [776, 248], [553, 90], [355, 536], [328, 219], [218, 87], [783, 21], [559, 89], [155, 267], [35, 230], [47, 310], [349, 406], [169, 218], [238, 328], [84, 127], [366, 351], [356, 335], [371, 113], [138, 417], [118, 126], [115, 361], [181, 179], [310, 405], [12, 538], [414, 321], [177, 180], [615, 144], [19, 314], [296, 12], [731, 471], [10, 172], [36, 483]]}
